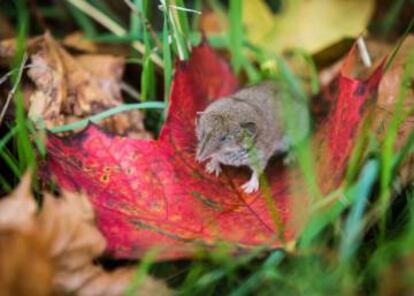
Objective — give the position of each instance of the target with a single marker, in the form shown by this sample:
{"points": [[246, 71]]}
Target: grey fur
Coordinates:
{"points": [[248, 127]]}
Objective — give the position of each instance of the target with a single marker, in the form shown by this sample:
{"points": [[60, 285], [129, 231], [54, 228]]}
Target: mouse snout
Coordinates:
{"points": [[204, 151], [202, 155]]}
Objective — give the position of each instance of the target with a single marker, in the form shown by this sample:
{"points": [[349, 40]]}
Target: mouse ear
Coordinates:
{"points": [[249, 127]]}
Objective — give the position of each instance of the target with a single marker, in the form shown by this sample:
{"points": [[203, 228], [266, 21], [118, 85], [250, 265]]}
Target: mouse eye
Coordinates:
{"points": [[223, 139]]}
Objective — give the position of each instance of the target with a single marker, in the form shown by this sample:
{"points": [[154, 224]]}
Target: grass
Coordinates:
{"points": [[107, 113], [24, 157], [344, 249]]}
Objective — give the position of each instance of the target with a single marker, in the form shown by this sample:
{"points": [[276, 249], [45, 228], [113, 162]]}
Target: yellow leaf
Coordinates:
{"points": [[308, 24]]}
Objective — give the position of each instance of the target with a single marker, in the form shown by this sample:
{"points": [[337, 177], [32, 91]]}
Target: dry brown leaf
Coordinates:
{"points": [[388, 95], [79, 42], [23, 252], [6, 29], [70, 88], [213, 22], [53, 250], [109, 70], [25, 267], [8, 48], [17, 211]]}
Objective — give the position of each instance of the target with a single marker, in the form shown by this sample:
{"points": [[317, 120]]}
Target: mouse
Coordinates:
{"points": [[248, 127]]}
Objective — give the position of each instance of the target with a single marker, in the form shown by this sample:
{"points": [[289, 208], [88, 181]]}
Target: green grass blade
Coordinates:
{"points": [[11, 162], [148, 74], [404, 152], [396, 49], [236, 34], [291, 81], [83, 21], [387, 152], [38, 136], [391, 18], [183, 18], [354, 223], [248, 286], [106, 114], [292, 90], [313, 71], [179, 40], [321, 219], [168, 70], [7, 137], [141, 272], [25, 152], [253, 74], [195, 24], [136, 24], [106, 8]]}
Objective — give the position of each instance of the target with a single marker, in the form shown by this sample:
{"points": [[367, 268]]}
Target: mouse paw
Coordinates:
{"points": [[213, 167], [252, 185], [290, 159]]}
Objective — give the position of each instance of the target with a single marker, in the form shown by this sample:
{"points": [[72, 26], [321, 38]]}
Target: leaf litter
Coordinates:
{"points": [[53, 248], [69, 88]]}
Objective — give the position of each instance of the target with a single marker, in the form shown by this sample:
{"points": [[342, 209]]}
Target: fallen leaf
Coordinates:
{"points": [[153, 194], [25, 267], [8, 48], [70, 88], [388, 97], [352, 101], [69, 85], [53, 249], [23, 252], [376, 49], [6, 29], [312, 24], [81, 43], [18, 210], [213, 22]]}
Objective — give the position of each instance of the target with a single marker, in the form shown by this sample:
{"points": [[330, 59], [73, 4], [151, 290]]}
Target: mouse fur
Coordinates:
{"points": [[248, 128]]}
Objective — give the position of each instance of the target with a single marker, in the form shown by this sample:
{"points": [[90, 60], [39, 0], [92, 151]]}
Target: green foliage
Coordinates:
{"points": [[333, 254], [24, 156], [148, 82], [236, 34]]}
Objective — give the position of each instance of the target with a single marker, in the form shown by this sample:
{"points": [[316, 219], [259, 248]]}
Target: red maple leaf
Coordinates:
{"points": [[154, 194]]}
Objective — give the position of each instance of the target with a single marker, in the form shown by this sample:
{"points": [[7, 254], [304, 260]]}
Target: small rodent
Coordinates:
{"points": [[248, 128]]}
